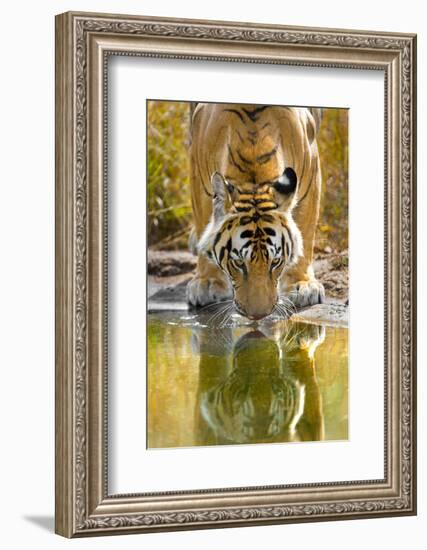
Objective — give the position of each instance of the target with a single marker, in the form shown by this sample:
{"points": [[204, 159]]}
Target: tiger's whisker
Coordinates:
{"points": [[215, 304], [218, 313], [227, 316], [282, 311]]}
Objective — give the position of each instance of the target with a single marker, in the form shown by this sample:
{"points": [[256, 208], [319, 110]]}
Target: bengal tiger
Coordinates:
{"points": [[255, 189]]}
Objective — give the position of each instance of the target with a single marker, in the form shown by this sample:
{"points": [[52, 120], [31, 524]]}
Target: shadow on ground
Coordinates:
{"points": [[44, 522]]}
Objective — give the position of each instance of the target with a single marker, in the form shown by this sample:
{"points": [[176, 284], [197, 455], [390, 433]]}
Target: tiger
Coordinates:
{"points": [[255, 184]]}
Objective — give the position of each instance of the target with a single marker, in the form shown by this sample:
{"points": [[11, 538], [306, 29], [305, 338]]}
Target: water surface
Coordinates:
{"points": [[275, 382]]}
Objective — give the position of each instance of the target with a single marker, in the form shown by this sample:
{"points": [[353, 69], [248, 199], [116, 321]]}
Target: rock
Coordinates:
{"points": [[331, 314], [165, 263]]}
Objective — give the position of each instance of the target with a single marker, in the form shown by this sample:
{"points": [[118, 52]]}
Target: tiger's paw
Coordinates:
{"points": [[306, 293], [202, 291]]}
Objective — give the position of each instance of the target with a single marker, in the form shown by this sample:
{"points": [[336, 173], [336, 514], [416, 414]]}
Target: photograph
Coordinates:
{"points": [[248, 274]]}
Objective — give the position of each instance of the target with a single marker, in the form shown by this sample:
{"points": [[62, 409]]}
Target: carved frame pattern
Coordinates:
{"points": [[83, 507]]}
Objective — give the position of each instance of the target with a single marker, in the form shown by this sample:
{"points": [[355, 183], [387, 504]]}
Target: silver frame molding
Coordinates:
{"points": [[84, 42]]}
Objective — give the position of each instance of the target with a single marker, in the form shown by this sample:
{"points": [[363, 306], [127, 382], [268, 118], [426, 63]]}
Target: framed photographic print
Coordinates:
{"points": [[235, 274]]}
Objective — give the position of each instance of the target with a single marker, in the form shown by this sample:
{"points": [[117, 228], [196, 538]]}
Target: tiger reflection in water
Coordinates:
{"points": [[264, 390]]}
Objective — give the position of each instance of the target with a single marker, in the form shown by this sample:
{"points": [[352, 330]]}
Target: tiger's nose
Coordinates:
{"points": [[252, 315], [255, 317]]}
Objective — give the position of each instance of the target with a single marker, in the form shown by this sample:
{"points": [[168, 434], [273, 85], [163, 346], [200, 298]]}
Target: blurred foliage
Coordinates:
{"points": [[332, 229], [169, 204]]}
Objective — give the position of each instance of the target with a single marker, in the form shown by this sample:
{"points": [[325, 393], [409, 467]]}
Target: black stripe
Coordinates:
{"points": [[236, 112], [205, 190], [262, 159], [289, 245], [244, 208], [243, 159], [255, 112], [230, 152], [301, 180], [223, 249], [217, 238], [252, 136], [203, 183]]}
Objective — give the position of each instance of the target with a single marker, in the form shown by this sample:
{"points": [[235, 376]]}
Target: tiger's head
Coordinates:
{"points": [[253, 238]]}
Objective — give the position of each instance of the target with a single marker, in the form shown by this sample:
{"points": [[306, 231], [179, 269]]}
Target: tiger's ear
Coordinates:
{"points": [[284, 189], [221, 193]]}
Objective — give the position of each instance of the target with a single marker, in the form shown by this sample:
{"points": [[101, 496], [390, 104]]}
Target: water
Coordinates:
{"points": [[274, 382]]}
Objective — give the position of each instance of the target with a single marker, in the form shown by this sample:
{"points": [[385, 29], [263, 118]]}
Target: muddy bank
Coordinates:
{"points": [[170, 263]]}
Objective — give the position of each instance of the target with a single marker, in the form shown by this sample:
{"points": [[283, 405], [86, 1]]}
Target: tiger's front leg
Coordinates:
{"points": [[300, 286], [209, 285], [299, 283]]}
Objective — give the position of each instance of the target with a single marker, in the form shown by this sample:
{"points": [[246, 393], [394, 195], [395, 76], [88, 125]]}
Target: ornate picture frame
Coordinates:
{"points": [[84, 42]]}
